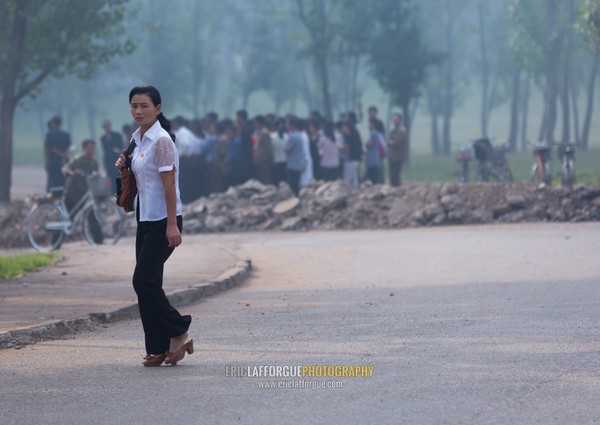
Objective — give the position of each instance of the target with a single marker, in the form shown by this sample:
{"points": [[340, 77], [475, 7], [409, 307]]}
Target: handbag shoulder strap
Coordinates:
{"points": [[129, 151]]}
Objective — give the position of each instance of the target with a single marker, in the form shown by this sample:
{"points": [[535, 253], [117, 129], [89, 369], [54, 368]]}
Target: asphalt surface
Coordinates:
{"points": [[473, 325], [95, 279]]}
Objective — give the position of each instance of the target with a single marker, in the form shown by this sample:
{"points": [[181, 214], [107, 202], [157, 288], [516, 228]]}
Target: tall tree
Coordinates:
{"points": [[540, 46], [452, 11], [398, 55], [39, 40], [591, 25], [495, 65], [317, 18]]}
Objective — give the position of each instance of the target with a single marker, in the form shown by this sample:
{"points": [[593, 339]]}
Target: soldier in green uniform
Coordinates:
{"points": [[76, 185], [397, 149]]}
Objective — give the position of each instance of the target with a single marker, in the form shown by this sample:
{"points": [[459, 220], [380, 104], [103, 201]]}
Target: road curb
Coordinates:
{"points": [[233, 277]]}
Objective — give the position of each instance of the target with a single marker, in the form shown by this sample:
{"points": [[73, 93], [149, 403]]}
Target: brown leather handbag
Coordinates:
{"points": [[128, 190], [126, 184]]}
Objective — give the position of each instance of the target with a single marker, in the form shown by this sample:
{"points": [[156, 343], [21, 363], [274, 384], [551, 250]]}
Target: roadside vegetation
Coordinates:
{"points": [[16, 265], [445, 169]]}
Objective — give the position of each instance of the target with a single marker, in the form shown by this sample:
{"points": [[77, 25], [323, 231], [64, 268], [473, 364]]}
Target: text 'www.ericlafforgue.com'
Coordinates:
{"points": [[300, 384]]}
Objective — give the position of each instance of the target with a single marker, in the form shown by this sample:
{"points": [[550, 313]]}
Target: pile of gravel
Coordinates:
{"points": [[337, 205]]}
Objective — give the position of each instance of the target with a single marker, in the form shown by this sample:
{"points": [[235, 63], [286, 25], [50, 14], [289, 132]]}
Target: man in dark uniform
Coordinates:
{"points": [[112, 146], [246, 130], [56, 153], [397, 149], [76, 186]]}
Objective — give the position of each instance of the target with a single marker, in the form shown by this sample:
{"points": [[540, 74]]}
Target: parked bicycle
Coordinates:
{"points": [[96, 214], [464, 158], [541, 170], [493, 164], [566, 153]]}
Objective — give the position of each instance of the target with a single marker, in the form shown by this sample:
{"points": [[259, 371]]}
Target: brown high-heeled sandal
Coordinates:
{"points": [[173, 358], [154, 360]]}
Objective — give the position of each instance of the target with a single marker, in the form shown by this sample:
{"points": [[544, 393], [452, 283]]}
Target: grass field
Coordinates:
{"points": [[427, 168], [16, 265], [29, 134]]}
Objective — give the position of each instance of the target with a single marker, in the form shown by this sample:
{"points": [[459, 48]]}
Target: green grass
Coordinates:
{"points": [[16, 265], [430, 169]]}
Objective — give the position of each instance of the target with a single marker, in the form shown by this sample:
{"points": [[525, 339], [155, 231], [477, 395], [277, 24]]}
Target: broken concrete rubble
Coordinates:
{"points": [[337, 205]]}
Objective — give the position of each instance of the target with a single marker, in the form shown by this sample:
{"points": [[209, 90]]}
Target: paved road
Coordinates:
{"points": [[27, 180], [94, 279], [475, 325]]}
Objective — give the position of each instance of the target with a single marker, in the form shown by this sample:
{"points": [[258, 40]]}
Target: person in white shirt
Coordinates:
{"points": [[190, 148], [279, 157], [155, 165], [307, 175]]}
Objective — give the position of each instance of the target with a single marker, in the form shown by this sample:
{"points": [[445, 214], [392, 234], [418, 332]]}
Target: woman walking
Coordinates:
{"points": [[155, 164]]}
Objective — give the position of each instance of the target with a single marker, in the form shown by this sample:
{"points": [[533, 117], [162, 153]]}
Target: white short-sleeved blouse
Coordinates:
{"points": [[155, 153]]}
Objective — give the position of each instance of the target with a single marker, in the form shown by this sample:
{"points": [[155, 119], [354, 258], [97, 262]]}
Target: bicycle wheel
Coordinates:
{"points": [[45, 227], [103, 222], [534, 173], [568, 176], [506, 175], [547, 174]]}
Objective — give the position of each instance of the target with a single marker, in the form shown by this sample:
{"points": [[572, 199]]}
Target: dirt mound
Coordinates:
{"points": [[12, 225], [337, 205]]}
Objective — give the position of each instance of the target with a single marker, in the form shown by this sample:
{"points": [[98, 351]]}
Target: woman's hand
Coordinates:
{"points": [[173, 235], [120, 164]]}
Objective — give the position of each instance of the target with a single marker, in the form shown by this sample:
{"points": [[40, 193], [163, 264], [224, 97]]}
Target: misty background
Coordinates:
{"points": [[516, 70]]}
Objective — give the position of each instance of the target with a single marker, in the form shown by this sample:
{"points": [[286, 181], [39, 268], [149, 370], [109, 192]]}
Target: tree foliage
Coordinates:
{"points": [[40, 40], [61, 37], [590, 14], [398, 55]]}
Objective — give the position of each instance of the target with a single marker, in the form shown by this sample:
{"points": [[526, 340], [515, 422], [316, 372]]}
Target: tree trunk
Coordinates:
{"points": [[566, 110], [525, 119], [90, 108], [542, 134], [196, 54], [407, 120], [448, 83], [485, 72], [551, 74], [432, 98], [566, 85], [323, 70], [585, 134], [514, 110], [9, 101], [308, 96], [245, 99], [574, 96], [355, 91]]}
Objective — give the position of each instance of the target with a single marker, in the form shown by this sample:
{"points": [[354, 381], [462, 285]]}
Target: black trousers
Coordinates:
{"points": [[160, 320], [329, 174], [293, 180], [395, 168], [374, 174]]}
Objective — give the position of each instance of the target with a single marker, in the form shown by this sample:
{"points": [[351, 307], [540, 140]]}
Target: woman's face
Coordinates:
{"points": [[143, 111]]}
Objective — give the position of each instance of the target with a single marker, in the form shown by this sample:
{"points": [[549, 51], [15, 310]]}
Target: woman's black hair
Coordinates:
{"points": [[328, 130], [377, 124], [154, 96]]}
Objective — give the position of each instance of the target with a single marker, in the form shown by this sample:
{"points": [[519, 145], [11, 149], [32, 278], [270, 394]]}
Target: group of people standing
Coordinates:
{"points": [[218, 153], [215, 154]]}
